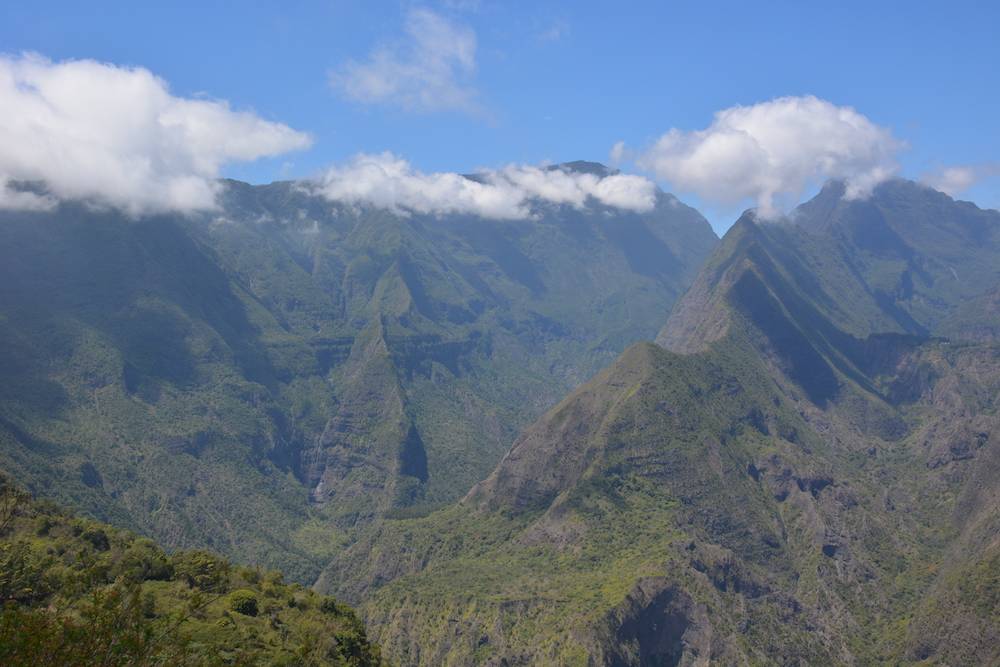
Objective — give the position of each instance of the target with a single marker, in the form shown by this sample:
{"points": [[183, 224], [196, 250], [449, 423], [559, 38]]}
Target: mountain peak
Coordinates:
{"points": [[585, 167], [897, 261]]}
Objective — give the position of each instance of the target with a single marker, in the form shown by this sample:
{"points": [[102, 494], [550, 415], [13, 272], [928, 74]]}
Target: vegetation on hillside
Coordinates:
{"points": [[78, 592], [814, 482], [268, 379]]}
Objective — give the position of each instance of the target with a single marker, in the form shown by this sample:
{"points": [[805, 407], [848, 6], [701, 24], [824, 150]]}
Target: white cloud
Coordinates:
{"points": [[389, 182], [116, 136], [770, 152], [957, 179], [430, 70], [619, 153]]}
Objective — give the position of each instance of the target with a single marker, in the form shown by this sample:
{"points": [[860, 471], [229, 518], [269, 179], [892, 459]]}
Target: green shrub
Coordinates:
{"points": [[65, 600], [144, 561], [149, 605], [98, 539], [45, 524], [21, 577], [331, 606], [201, 570], [243, 602]]}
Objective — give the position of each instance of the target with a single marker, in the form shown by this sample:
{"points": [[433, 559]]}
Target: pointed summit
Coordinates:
{"points": [[585, 167], [900, 260]]}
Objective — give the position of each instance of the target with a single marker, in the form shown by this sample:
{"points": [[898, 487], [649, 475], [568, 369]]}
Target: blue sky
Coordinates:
{"points": [[556, 81]]}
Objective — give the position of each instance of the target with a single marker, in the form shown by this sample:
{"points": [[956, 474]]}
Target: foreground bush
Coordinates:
{"points": [[76, 592]]}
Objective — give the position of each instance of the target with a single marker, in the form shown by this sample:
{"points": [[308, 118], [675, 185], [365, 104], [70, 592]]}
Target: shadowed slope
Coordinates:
{"points": [[270, 378]]}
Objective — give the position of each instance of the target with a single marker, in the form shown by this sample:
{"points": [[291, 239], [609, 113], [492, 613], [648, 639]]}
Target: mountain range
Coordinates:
{"points": [[464, 428], [803, 470], [268, 379]]}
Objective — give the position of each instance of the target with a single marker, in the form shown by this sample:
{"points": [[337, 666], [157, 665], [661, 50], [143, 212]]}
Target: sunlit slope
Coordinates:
{"points": [[801, 489]]}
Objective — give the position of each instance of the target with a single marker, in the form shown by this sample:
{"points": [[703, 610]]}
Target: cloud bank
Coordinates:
{"points": [[116, 136], [430, 70], [955, 180], [771, 152], [387, 181]]}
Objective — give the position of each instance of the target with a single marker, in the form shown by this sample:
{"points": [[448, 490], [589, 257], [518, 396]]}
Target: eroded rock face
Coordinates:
{"points": [[659, 625]]}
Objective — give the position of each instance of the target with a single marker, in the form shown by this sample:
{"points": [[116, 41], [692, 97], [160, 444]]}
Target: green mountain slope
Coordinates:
{"points": [[268, 379], [813, 481], [908, 259], [78, 592]]}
